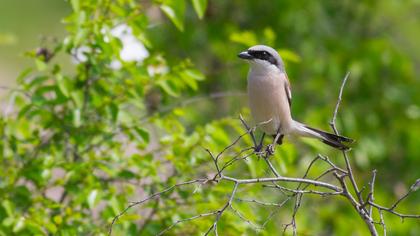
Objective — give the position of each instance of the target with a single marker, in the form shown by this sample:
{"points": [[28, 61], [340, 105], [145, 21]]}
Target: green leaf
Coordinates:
{"points": [[19, 225], [175, 11], [41, 65], [168, 87], [144, 134], [76, 5], [200, 7], [78, 97], [64, 84], [36, 81], [8, 207], [126, 174], [113, 109], [246, 38], [21, 77], [196, 74], [288, 55]]}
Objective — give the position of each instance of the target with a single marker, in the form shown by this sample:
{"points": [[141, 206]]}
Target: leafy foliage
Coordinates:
{"points": [[120, 124]]}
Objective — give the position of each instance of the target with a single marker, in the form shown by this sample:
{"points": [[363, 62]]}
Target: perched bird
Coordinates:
{"points": [[270, 99]]}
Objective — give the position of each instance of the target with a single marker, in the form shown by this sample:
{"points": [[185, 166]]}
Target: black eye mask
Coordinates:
{"points": [[263, 55]]}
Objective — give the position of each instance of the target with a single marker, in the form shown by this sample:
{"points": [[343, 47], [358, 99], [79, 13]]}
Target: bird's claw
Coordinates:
{"points": [[258, 148], [270, 149]]}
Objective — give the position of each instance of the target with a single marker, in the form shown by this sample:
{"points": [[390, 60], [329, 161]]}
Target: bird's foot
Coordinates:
{"points": [[269, 149], [258, 148]]}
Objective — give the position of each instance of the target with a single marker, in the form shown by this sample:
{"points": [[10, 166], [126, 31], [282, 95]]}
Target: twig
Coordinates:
{"points": [[260, 202], [382, 222], [253, 225], [187, 219], [133, 204], [371, 196], [275, 211], [387, 209], [220, 212], [413, 188], [298, 191], [359, 205], [283, 179]]}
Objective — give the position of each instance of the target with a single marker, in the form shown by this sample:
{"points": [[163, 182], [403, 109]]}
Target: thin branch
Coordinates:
{"points": [[270, 165], [283, 179], [220, 212], [276, 211], [133, 204], [185, 220], [359, 205], [413, 188], [236, 158], [371, 196], [387, 209], [337, 105], [298, 191], [298, 202], [260, 202], [253, 225], [249, 130]]}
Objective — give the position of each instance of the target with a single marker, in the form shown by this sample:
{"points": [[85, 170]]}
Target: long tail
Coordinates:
{"points": [[330, 139]]}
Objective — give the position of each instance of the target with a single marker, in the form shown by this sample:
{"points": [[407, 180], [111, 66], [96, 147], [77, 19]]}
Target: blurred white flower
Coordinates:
{"points": [[79, 54], [132, 48]]}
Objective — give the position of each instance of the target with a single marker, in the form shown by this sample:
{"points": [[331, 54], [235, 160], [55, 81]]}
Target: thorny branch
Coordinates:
{"points": [[351, 192]]}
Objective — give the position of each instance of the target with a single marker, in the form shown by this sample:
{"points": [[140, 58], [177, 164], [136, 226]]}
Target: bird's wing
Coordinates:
{"points": [[288, 90]]}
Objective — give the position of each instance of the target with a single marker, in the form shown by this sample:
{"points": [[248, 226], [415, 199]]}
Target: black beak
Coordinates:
{"points": [[245, 55]]}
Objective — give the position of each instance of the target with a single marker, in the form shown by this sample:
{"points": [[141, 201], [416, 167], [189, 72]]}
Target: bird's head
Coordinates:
{"points": [[262, 57]]}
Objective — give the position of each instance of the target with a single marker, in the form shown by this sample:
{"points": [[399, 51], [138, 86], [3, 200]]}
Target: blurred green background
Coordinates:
{"points": [[100, 128], [24, 26]]}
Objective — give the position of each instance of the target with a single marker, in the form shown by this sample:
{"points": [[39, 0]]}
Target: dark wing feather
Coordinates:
{"points": [[288, 90]]}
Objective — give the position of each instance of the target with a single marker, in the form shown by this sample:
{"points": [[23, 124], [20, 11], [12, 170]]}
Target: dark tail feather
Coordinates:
{"points": [[334, 144], [333, 140]]}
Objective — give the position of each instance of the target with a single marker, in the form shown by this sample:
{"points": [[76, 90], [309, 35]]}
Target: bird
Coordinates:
{"points": [[270, 100]]}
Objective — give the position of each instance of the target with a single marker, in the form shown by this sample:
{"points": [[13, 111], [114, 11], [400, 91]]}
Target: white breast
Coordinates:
{"points": [[268, 100]]}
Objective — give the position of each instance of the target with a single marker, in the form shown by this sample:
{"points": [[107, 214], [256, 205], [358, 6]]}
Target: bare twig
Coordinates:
{"points": [[382, 222], [253, 225], [371, 196], [358, 204], [220, 212], [185, 220], [260, 202], [413, 188], [298, 191], [133, 204], [387, 209], [283, 179]]}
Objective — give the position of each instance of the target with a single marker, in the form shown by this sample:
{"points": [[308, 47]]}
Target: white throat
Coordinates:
{"points": [[260, 67]]}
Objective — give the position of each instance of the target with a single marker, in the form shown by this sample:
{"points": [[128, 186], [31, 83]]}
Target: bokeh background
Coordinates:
{"points": [[148, 84]]}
